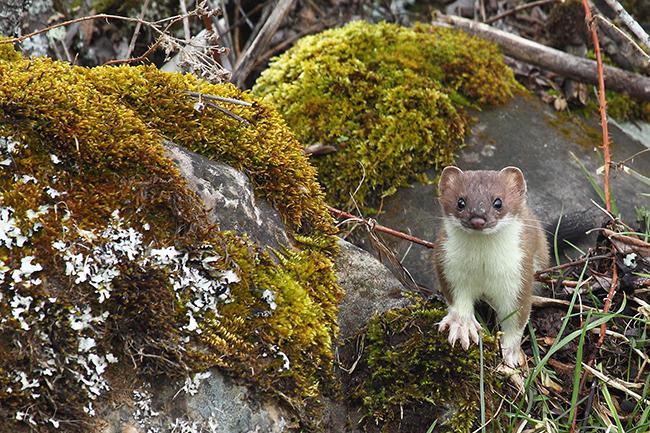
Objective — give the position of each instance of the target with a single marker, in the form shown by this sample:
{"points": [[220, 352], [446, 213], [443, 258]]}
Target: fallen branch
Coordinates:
{"points": [[247, 61], [627, 244], [541, 301], [561, 63], [613, 382], [372, 225], [630, 22]]}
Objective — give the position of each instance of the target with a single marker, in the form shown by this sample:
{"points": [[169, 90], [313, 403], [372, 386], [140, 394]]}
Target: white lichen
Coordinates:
{"points": [[95, 259]]}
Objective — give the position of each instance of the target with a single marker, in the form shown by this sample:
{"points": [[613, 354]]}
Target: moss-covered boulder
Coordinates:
{"points": [[108, 259], [409, 379], [390, 99]]}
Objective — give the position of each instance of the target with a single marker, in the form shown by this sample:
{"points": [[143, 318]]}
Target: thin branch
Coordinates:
{"points": [[626, 160], [372, 225], [628, 46], [287, 42], [573, 263], [518, 9], [246, 62], [82, 19], [218, 98], [613, 382], [186, 21], [141, 58], [136, 32], [630, 22], [541, 301], [227, 112]]}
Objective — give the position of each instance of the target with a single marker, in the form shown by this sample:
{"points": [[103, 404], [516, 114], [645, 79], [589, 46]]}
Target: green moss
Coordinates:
{"points": [[122, 206], [390, 99], [413, 378], [623, 107], [620, 105]]}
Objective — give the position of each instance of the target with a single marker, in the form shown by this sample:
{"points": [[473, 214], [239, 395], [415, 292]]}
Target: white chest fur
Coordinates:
{"points": [[484, 266]]}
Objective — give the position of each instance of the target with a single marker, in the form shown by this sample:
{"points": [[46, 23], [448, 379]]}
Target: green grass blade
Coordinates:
{"points": [[572, 336], [432, 426], [612, 408], [565, 322], [577, 374]]}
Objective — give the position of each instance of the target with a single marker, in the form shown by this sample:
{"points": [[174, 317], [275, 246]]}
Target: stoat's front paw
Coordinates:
{"points": [[511, 355], [460, 328]]}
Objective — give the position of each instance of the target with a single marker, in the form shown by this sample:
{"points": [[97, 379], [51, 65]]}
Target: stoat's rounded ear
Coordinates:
{"points": [[447, 177], [516, 176]]}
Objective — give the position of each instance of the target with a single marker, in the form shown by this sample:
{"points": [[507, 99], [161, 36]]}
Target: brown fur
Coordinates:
{"points": [[479, 189]]}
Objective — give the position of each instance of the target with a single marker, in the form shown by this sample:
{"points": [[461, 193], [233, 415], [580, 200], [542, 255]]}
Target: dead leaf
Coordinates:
{"points": [[560, 104]]}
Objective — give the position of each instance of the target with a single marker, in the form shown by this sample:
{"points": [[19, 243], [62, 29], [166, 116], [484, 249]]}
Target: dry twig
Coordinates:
{"points": [[518, 9], [630, 22], [557, 61], [136, 32], [373, 226], [246, 62]]}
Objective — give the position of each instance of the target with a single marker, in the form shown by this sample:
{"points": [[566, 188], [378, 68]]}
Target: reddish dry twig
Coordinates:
{"points": [[602, 102], [378, 227]]}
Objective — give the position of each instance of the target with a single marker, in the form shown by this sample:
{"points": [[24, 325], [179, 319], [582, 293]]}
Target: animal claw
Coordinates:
{"points": [[460, 328]]}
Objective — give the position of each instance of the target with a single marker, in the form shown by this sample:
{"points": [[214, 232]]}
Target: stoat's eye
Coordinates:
{"points": [[497, 203], [461, 203]]}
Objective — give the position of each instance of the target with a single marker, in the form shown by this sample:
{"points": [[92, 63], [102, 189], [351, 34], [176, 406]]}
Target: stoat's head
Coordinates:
{"points": [[481, 201]]}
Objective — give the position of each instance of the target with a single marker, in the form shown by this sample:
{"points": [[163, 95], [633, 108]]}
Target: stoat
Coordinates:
{"points": [[490, 246]]}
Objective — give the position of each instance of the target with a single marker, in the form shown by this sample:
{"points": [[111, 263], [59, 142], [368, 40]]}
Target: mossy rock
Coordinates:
{"points": [[390, 99], [107, 257], [410, 378]]}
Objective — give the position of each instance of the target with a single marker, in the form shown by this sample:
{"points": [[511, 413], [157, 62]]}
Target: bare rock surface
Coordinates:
{"points": [[228, 195], [208, 402], [370, 288]]}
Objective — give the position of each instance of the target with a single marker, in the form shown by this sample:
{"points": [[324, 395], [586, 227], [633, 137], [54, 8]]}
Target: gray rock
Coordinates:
{"points": [[228, 195], [640, 131], [212, 404], [527, 134], [11, 12], [370, 288]]}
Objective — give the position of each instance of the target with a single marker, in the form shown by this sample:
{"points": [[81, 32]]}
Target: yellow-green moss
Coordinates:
{"points": [[389, 98], [623, 107], [620, 105], [106, 126], [412, 377]]}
